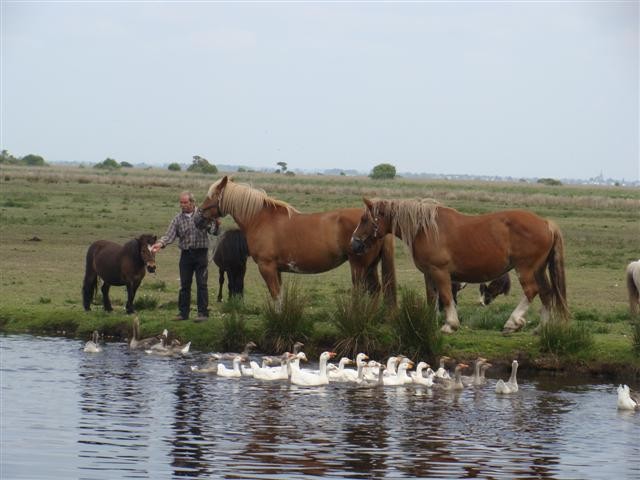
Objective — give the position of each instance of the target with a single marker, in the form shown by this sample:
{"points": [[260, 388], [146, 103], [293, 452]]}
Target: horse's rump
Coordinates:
{"points": [[633, 286]]}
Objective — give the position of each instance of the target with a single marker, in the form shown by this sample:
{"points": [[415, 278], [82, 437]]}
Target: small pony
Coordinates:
{"points": [[230, 256], [499, 286], [633, 287], [117, 265]]}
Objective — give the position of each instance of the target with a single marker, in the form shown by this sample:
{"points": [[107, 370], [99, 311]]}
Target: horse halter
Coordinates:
{"points": [[213, 205]]}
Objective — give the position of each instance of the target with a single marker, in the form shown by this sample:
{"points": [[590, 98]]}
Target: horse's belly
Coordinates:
{"points": [[307, 265]]}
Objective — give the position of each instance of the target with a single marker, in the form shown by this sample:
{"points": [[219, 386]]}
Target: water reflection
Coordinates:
{"points": [[122, 414]]}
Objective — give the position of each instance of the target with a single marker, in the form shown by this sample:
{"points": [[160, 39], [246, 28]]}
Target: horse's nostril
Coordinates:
{"points": [[151, 268]]}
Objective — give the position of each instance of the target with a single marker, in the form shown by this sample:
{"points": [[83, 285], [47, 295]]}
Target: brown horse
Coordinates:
{"points": [[281, 239], [230, 256], [449, 246], [117, 265]]}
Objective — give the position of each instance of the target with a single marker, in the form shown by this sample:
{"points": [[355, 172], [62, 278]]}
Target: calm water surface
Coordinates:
{"points": [[119, 414]]}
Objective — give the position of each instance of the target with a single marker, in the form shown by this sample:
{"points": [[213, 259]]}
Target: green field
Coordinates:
{"points": [[50, 215]]}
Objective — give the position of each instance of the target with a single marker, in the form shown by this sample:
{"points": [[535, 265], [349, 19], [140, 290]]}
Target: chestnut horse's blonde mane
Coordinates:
{"points": [[242, 201], [409, 217]]}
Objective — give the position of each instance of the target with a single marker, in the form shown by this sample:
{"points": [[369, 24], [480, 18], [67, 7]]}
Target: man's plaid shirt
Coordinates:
{"points": [[189, 236]]}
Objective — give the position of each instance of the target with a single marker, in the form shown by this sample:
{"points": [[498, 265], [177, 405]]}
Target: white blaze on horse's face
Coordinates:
{"points": [[150, 247]]}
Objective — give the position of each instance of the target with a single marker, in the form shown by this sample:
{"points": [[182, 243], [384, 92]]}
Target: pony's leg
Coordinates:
{"points": [[89, 289], [271, 276], [105, 297], [544, 290], [131, 294], [516, 320], [221, 282], [442, 281]]}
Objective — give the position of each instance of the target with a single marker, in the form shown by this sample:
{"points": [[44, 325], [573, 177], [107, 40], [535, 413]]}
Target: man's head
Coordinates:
{"points": [[187, 202]]}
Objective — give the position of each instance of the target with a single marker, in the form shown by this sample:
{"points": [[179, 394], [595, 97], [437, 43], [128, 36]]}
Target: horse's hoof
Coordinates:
{"points": [[446, 328]]}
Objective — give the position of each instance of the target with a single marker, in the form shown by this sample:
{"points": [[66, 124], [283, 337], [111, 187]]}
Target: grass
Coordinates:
{"points": [[67, 208]]}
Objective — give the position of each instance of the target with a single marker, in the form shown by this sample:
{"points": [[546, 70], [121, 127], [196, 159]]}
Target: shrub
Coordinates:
{"points": [[126, 165], [383, 171], [145, 302], [202, 165], [550, 181], [174, 167], [358, 316], [561, 338], [107, 164], [284, 322], [33, 160], [417, 327], [234, 332]]}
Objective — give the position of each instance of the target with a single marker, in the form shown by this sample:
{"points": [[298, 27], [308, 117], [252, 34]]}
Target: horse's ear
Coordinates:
{"points": [[223, 183], [154, 239], [368, 203]]}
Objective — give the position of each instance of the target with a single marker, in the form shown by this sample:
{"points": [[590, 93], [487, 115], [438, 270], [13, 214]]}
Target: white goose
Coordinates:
{"points": [[442, 372], [339, 374], [176, 348], [626, 399], [277, 373], [511, 386], [93, 345], [234, 372], [483, 369], [419, 379], [307, 378], [400, 377]]}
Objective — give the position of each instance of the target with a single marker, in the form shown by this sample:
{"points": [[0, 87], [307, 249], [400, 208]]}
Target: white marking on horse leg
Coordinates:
{"points": [[481, 300], [544, 316], [451, 323], [516, 320]]}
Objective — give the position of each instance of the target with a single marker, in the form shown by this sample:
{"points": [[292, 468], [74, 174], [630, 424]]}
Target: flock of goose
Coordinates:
{"points": [[366, 372]]}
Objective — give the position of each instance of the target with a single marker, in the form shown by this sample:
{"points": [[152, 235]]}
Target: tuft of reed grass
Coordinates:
{"points": [[235, 303], [145, 302], [561, 338], [235, 333], [158, 285], [491, 317], [284, 321], [417, 327], [357, 317]]}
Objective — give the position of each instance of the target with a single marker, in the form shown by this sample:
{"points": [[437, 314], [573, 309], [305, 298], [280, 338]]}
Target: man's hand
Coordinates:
{"points": [[156, 247]]}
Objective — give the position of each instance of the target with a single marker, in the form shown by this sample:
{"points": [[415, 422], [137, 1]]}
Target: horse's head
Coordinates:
{"points": [[370, 228], [210, 207], [146, 241]]}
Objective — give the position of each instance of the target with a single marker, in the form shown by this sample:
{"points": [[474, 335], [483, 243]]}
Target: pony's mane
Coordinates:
{"points": [[244, 202], [409, 217]]}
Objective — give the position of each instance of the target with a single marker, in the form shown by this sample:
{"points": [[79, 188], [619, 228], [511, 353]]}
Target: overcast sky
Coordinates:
{"points": [[523, 89]]}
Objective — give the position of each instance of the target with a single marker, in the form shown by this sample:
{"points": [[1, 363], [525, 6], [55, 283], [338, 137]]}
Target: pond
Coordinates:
{"points": [[122, 414]]}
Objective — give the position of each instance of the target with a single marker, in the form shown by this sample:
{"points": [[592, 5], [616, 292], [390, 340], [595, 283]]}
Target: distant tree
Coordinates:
{"points": [[289, 173], [202, 165], [174, 167], [283, 166], [550, 181], [241, 169], [33, 160], [6, 157], [107, 164], [126, 165], [383, 171]]}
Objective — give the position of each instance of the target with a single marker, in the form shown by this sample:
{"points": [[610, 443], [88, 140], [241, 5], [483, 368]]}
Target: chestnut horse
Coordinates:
{"points": [[633, 287], [449, 246], [281, 239], [117, 265]]}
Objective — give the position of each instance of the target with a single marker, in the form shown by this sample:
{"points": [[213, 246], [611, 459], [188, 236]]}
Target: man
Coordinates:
{"points": [[194, 245]]}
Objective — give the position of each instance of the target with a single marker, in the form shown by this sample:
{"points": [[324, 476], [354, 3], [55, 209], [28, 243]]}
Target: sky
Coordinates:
{"points": [[520, 89]]}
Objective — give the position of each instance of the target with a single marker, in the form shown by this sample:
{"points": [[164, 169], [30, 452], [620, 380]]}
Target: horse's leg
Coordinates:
{"points": [[105, 297], [442, 281], [221, 282], [530, 288], [432, 292], [89, 288], [272, 278], [545, 292], [132, 288]]}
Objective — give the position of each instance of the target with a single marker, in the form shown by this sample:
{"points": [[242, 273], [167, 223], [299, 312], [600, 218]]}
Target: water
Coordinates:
{"points": [[120, 414]]}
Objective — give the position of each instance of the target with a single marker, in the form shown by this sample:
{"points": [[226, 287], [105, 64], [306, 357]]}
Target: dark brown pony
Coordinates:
{"points": [[499, 286], [449, 246], [117, 265], [281, 239], [230, 256]]}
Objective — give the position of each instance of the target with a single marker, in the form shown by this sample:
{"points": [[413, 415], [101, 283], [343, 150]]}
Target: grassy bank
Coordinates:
{"points": [[49, 216]]}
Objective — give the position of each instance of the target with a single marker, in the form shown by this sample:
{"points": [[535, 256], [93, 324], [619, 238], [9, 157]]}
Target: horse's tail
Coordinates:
{"points": [[632, 288], [555, 263], [387, 256], [90, 284]]}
